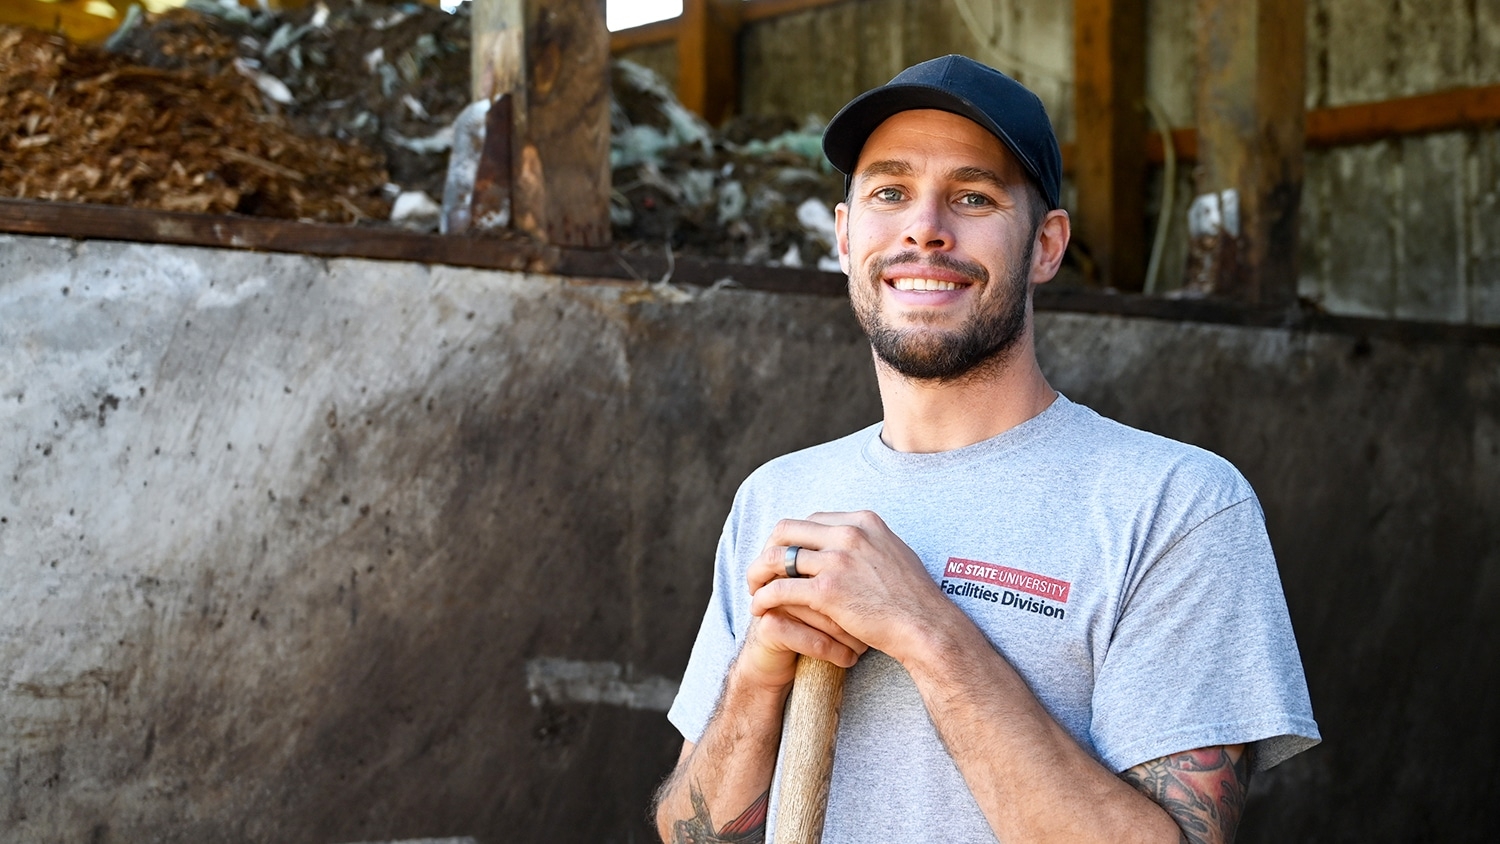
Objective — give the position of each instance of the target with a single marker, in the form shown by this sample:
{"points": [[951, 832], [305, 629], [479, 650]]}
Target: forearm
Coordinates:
{"points": [[1031, 779], [719, 789]]}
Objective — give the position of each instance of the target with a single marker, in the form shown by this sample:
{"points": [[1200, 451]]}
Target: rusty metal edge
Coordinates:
{"points": [[521, 254]]}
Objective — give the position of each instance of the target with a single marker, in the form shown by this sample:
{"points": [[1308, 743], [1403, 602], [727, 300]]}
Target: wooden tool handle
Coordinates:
{"points": [[812, 723]]}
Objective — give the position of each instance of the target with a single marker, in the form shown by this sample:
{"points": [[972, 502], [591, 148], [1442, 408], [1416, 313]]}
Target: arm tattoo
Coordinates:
{"points": [[748, 828], [1203, 790]]}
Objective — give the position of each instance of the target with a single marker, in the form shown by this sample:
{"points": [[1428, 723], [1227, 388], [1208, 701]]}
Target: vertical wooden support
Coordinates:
{"points": [[552, 57], [1252, 70], [1109, 48], [708, 58]]}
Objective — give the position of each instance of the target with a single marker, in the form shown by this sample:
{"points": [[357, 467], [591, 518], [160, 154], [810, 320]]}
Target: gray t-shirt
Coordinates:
{"points": [[1127, 577]]}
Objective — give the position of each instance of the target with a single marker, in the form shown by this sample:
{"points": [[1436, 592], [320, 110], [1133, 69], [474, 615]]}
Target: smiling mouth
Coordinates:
{"points": [[924, 284]]}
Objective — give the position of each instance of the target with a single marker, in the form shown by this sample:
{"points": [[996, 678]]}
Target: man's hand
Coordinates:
{"points": [[768, 658], [859, 580]]}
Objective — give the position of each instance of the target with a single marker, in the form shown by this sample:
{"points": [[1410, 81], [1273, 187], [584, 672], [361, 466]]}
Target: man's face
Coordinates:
{"points": [[937, 239]]}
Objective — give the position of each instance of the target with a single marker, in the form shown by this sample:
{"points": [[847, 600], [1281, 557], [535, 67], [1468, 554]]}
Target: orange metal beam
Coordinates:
{"points": [[1454, 110]]}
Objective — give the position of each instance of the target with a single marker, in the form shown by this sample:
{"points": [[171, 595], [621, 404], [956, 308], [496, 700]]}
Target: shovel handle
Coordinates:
{"points": [[812, 722]]}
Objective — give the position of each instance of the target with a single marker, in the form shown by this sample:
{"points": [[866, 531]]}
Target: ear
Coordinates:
{"points": [[841, 232], [1052, 238]]}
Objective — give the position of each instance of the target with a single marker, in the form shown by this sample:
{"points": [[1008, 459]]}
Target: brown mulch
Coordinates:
{"points": [[80, 124]]}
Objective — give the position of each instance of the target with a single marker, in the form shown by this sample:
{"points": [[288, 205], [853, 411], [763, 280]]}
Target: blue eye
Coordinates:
{"points": [[888, 194], [975, 200]]}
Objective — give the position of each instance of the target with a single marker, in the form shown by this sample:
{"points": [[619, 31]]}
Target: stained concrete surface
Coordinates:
{"points": [[303, 550], [281, 535]]}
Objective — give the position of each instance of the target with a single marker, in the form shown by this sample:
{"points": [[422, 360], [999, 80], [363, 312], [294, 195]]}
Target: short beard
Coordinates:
{"points": [[985, 340]]}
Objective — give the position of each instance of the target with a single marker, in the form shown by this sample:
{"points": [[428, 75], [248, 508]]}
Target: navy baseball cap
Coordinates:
{"points": [[964, 87]]}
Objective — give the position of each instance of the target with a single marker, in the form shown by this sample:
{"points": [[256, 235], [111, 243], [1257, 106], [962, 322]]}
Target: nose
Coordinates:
{"points": [[928, 226]]}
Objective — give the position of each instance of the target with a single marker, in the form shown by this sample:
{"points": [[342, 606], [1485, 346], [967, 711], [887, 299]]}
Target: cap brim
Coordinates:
{"points": [[846, 134]]}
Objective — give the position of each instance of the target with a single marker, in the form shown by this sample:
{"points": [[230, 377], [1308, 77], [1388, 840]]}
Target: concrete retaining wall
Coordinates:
{"points": [[329, 551]]}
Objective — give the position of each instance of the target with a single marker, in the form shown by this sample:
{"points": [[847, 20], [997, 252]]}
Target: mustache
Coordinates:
{"points": [[973, 272]]}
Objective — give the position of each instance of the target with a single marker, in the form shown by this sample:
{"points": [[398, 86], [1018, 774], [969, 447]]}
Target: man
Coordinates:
{"points": [[1057, 628]]}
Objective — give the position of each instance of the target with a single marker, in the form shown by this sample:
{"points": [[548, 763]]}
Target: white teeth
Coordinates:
{"points": [[923, 284]]}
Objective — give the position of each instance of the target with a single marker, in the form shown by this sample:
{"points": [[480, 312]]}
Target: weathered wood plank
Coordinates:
{"points": [[1313, 266], [1170, 53], [1433, 49], [781, 54], [1433, 54], [1485, 46], [1361, 232], [879, 55], [553, 58], [1430, 282], [1251, 136], [1360, 36], [708, 58], [1109, 172], [1483, 227], [759, 10], [1041, 36]]}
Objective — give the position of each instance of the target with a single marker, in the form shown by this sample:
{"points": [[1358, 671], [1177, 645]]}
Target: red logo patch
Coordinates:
{"points": [[1021, 581]]}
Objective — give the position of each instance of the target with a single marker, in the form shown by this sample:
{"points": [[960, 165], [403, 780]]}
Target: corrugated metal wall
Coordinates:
{"points": [[1403, 228]]}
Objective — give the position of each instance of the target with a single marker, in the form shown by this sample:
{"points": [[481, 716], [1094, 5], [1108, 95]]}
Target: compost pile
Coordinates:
{"points": [[184, 132], [343, 111]]}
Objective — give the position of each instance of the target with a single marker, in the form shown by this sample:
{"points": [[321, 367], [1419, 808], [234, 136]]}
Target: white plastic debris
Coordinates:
{"points": [[439, 141], [817, 219], [414, 106], [467, 133], [417, 211], [269, 85], [731, 202]]}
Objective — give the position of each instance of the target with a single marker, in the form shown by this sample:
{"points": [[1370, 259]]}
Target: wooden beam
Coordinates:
{"points": [[552, 58], [1109, 48], [708, 58], [1251, 135], [646, 35]]}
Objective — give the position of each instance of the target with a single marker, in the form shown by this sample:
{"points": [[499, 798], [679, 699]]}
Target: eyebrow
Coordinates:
{"points": [[898, 167], [886, 167], [978, 174]]}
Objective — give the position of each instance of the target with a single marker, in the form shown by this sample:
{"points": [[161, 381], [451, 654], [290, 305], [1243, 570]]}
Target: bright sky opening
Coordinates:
{"points": [[623, 14]]}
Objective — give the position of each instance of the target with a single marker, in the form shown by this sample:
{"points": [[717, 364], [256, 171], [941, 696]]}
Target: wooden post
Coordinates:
{"points": [[708, 57], [552, 57], [1252, 70], [1109, 49]]}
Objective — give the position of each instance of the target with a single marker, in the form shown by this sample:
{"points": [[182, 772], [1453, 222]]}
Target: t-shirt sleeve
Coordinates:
{"points": [[1203, 653], [713, 650]]}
